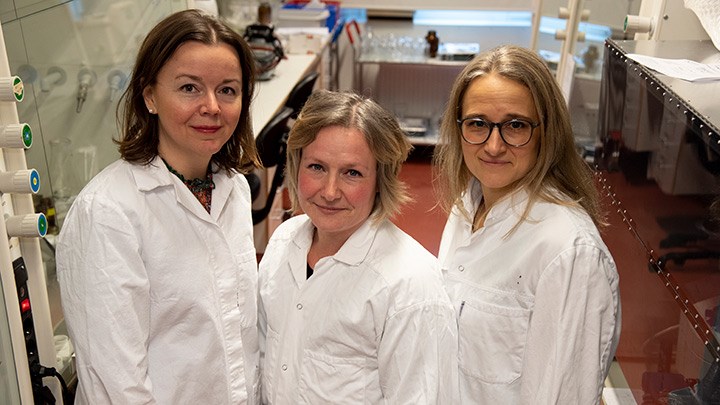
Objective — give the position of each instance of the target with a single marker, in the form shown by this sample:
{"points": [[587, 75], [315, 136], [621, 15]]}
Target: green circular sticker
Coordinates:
{"points": [[18, 89], [42, 224], [27, 137]]}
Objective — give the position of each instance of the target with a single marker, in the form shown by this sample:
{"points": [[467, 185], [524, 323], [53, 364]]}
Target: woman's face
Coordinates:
{"points": [[198, 99], [497, 165], [337, 181]]}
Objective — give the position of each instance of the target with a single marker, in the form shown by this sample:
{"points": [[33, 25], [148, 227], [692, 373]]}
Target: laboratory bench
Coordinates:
{"points": [[270, 97]]}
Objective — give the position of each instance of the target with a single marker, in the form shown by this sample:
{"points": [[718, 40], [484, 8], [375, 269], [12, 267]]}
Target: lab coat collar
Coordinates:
{"points": [[515, 201], [358, 245], [301, 243], [512, 205], [156, 175], [151, 176], [353, 252], [472, 196]]}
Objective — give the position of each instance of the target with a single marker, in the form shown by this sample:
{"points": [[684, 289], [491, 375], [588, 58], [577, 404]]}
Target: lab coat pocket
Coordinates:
{"points": [[492, 341], [269, 366], [332, 380]]}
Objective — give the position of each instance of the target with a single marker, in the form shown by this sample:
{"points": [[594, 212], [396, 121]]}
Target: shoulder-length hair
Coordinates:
{"points": [[559, 167], [139, 134], [388, 143]]}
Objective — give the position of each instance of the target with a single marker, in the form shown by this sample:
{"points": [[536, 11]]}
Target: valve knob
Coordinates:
{"points": [[30, 225], [635, 24], [20, 182], [16, 136], [11, 89]]}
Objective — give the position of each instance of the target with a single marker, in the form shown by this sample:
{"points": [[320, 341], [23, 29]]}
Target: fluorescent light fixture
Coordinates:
{"points": [[472, 18]]}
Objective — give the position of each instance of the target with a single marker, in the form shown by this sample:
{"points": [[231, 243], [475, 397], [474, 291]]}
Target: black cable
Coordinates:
{"points": [[38, 370]]}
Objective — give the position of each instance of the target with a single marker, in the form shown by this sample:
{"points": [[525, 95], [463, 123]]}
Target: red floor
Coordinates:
{"points": [[659, 351], [421, 219]]}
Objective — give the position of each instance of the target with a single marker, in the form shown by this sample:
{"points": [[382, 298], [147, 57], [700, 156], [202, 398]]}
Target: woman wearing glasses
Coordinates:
{"points": [[534, 287]]}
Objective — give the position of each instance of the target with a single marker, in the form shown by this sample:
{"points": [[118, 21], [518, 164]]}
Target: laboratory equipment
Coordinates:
{"points": [[266, 48], [116, 81], [29, 356], [86, 79], [661, 133], [664, 20], [55, 76]]}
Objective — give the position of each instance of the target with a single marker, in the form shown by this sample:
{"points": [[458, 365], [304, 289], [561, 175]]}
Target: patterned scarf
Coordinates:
{"points": [[201, 188]]}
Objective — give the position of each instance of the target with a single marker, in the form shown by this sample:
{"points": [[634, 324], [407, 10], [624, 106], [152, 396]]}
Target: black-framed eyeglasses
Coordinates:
{"points": [[515, 132]]}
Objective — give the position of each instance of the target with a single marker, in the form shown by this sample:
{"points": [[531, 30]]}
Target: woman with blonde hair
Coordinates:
{"points": [[352, 309], [534, 287]]}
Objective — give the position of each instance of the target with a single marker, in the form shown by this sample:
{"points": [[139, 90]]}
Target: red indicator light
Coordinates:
{"points": [[24, 305]]}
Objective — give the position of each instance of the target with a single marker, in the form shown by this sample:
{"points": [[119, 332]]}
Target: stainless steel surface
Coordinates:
{"points": [[699, 97], [674, 123]]}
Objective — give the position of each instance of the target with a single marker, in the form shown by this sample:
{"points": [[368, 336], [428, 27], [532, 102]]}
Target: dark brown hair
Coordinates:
{"points": [[139, 135]]}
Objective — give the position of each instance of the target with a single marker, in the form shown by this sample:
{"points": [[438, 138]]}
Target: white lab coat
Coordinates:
{"points": [[538, 310], [372, 325], [160, 297]]}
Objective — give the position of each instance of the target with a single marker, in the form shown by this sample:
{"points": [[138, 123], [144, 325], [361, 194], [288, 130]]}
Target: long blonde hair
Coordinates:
{"points": [[559, 167]]}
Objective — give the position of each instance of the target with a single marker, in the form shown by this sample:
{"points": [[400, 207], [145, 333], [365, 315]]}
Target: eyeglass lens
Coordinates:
{"points": [[514, 132]]}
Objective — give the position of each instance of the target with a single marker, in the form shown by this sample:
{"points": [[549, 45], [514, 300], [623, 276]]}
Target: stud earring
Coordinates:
{"points": [[151, 111]]}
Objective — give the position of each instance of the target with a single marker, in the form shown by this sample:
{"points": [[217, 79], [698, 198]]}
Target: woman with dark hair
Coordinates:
{"points": [[352, 309], [156, 260], [534, 287]]}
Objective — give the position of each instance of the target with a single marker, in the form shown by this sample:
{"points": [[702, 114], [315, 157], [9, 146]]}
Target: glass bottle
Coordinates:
{"points": [[265, 14], [433, 43]]}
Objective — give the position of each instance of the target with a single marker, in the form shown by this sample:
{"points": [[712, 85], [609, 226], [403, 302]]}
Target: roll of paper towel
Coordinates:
{"points": [[708, 12]]}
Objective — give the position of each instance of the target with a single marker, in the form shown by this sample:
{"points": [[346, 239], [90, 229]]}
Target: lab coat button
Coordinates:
{"points": [[284, 367], [461, 268], [299, 306]]}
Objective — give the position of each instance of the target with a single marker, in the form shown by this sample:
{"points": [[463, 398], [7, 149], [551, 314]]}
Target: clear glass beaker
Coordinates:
{"points": [[62, 177]]}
